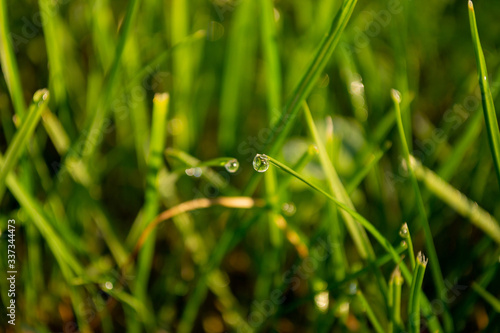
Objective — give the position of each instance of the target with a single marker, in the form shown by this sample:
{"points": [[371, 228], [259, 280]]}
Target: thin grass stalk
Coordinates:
{"points": [[415, 294], [152, 200], [18, 144], [9, 64], [457, 200], [395, 284], [487, 100], [404, 232], [433, 321], [369, 313], [437, 275], [271, 59], [488, 297]]}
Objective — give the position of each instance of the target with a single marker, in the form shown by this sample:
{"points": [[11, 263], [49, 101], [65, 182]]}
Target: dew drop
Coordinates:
{"points": [[261, 163], [232, 165], [108, 285], [403, 232]]}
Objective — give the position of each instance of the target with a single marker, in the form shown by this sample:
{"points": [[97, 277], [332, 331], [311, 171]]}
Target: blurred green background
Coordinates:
{"points": [[229, 68]]}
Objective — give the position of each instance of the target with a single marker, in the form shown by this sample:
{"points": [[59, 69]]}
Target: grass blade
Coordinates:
{"points": [[487, 100], [458, 201], [9, 64], [415, 291], [152, 200], [429, 243], [433, 322], [271, 59], [395, 284], [369, 313], [16, 148], [489, 298], [284, 125]]}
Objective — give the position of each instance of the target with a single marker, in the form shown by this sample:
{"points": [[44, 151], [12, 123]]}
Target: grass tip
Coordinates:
{"points": [[422, 259], [396, 95], [471, 5], [404, 232], [161, 97]]}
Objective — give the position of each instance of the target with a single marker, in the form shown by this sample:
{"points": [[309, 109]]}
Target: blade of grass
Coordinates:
{"points": [[356, 231], [369, 313], [395, 284], [102, 110], [271, 59], [237, 73], [415, 294], [404, 232], [457, 200], [337, 189], [9, 64], [18, 144], [282, 128], [152, 200], [487, 100], [437, 275], [433, 322], [488, 297]]}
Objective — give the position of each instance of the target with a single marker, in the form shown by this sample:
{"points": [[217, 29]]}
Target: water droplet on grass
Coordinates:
{"points": [[232, 165], [404, 232], [261, 163]]}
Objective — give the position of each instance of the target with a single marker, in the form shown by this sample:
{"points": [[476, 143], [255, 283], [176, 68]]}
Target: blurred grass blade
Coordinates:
{"points": [[487, 100], [488, 297], [9, 64], [457, 200], [395, 284], [102, 110], [330, 41], [415, 291], [337, 189], [152, 198], [238, 72], [437, 275], [369, 313], [271, 59], [18, 144]]}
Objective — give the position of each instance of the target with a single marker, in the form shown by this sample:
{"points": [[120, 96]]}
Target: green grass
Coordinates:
{"points": [[136, 202]]}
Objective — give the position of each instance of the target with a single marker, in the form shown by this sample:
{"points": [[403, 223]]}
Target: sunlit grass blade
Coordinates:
{"points": [[488, 297], [152, 199], [358, 235], [457, 200], [415, 294], [18, 144], [9, 64], [429, 242], [487, 100]]}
